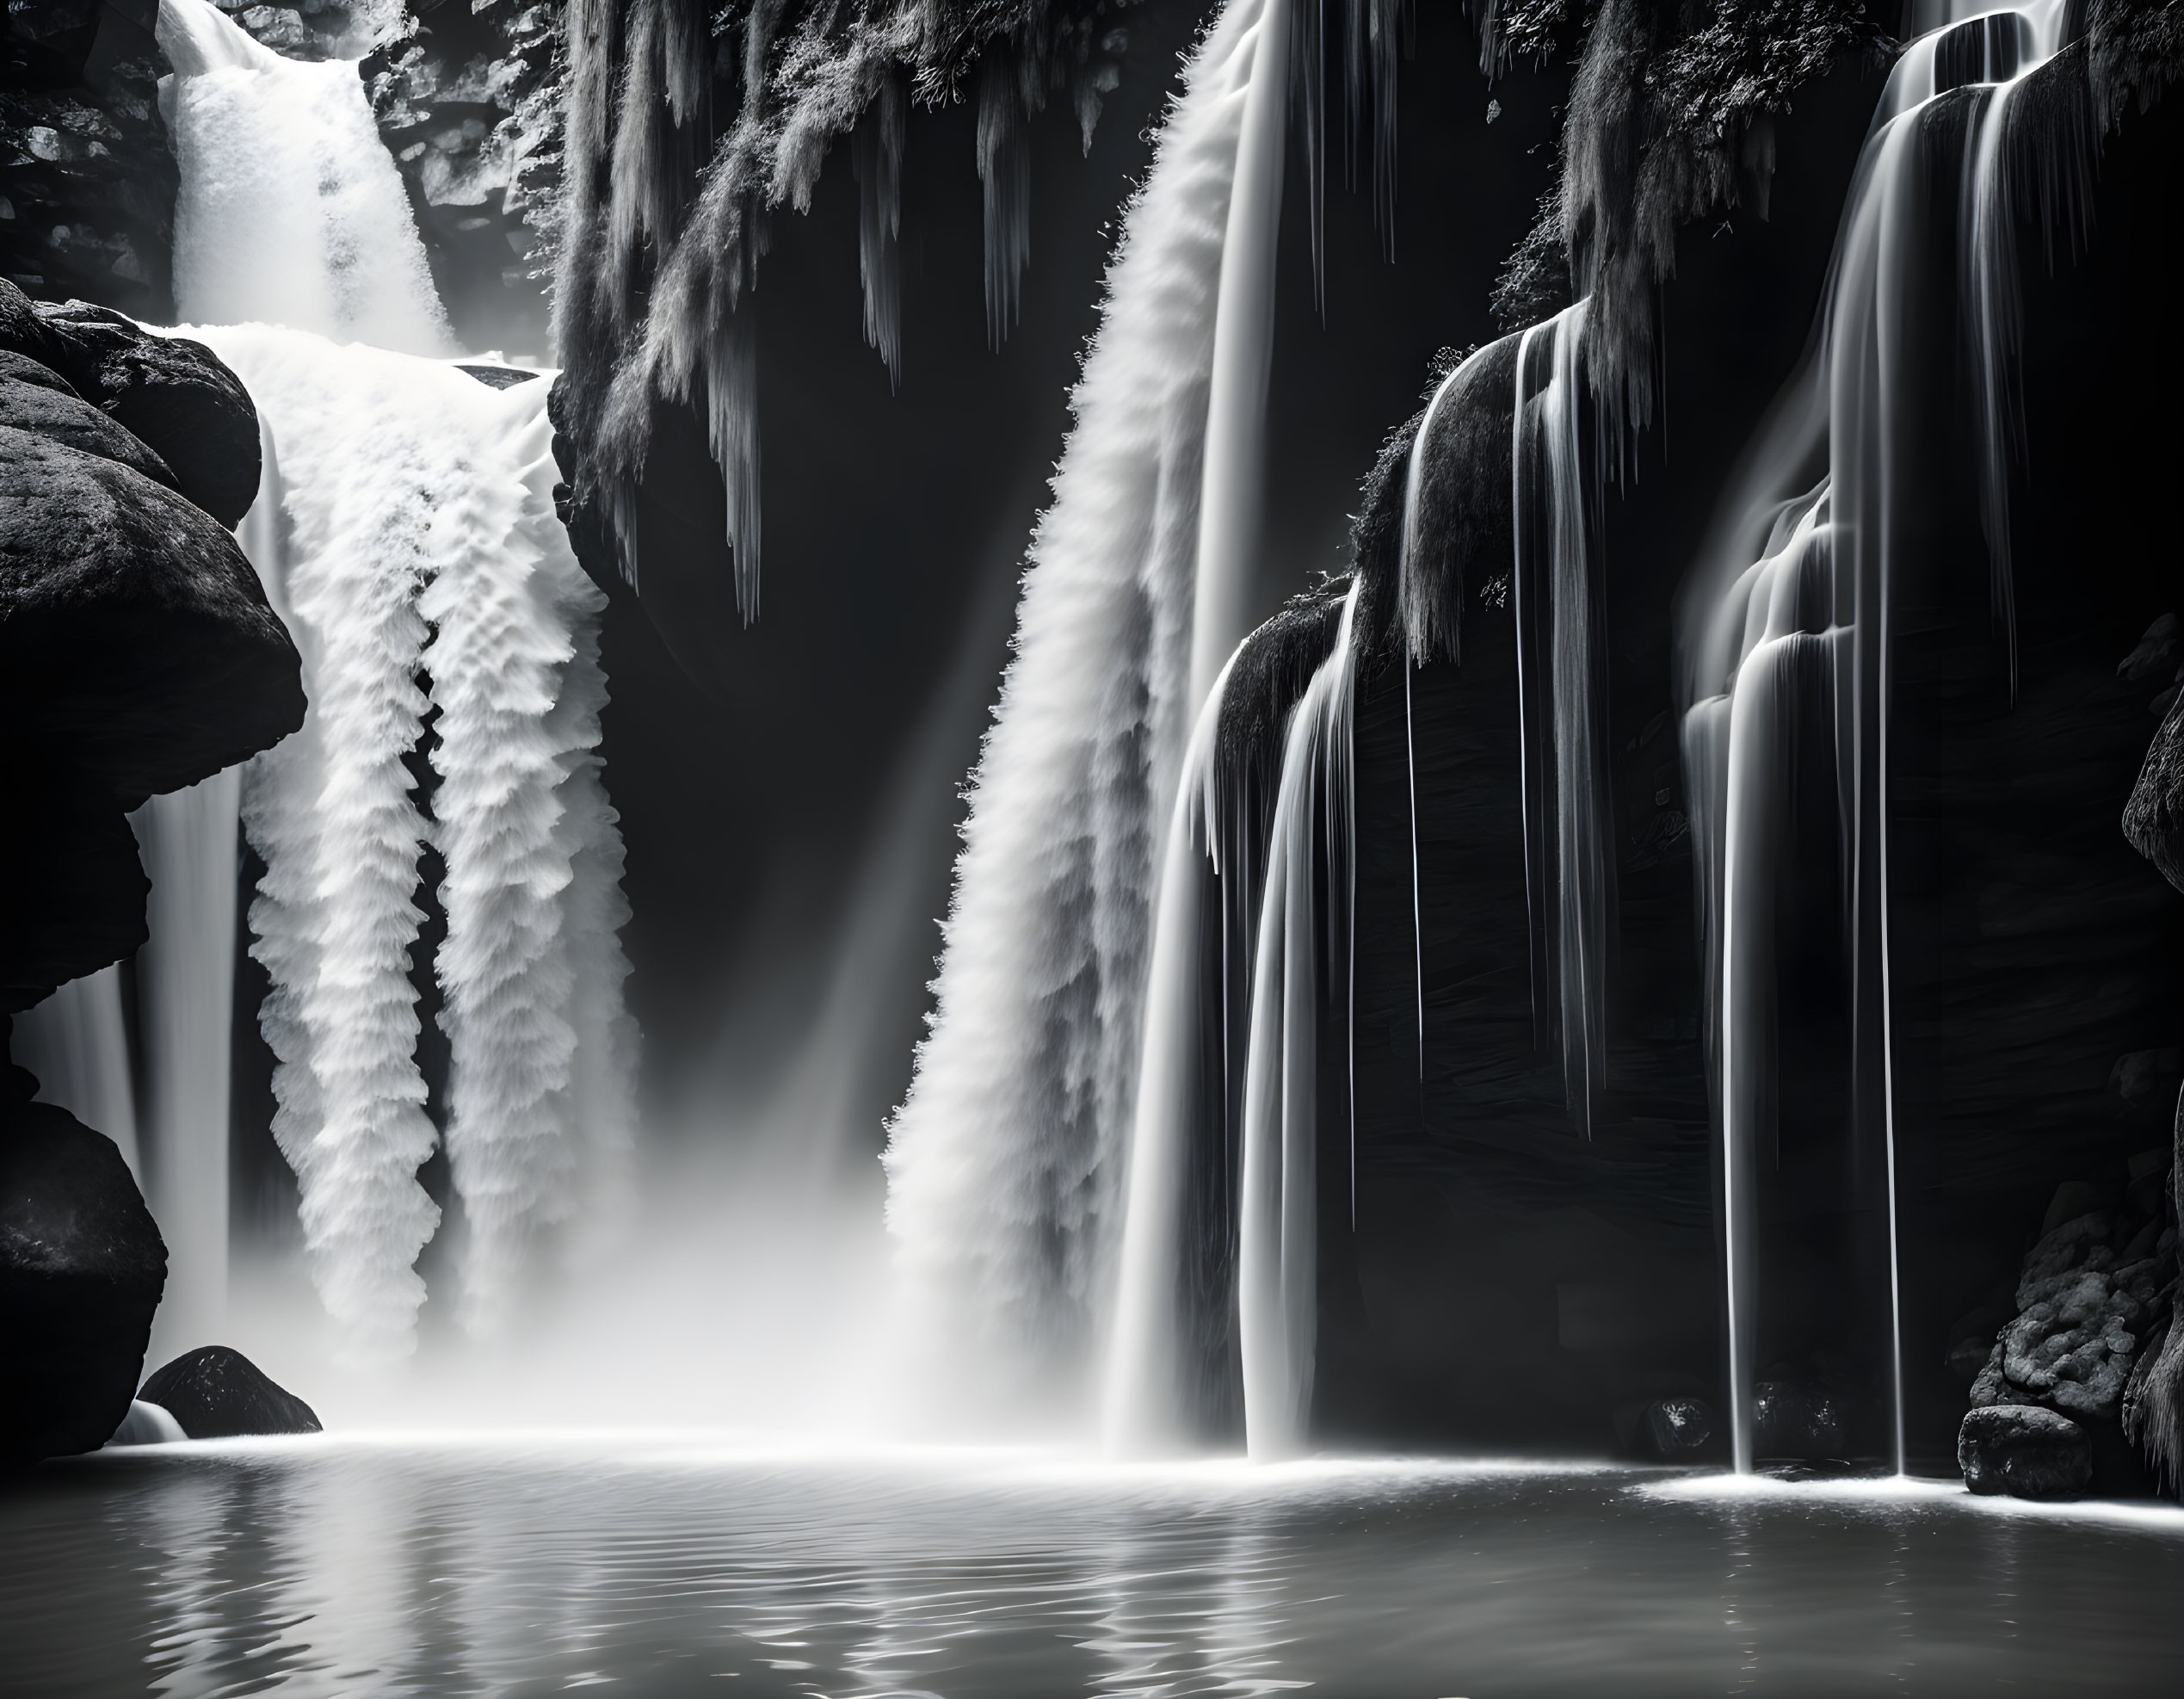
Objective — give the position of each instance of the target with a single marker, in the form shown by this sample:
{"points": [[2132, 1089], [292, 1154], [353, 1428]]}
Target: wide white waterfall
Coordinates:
{"points": [[422, 572], [286, 153], [405, 532], [1004, 1161], [1786, 628]]}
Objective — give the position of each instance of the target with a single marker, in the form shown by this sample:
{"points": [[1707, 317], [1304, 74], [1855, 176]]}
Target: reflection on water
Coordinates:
{"points": [[528, 1567]]}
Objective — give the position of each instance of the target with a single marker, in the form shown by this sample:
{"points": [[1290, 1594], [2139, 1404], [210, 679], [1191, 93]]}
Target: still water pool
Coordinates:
{"points": [[521, 1565]]}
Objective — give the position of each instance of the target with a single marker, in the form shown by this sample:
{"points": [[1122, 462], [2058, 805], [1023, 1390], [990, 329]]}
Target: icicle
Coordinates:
{"points": [[1004, 170], [638, 169], [878, 162], [732, 406], [1277, 1270]]}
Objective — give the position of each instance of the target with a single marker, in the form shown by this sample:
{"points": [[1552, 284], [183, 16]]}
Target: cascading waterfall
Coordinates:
{"points": [[423, 570], [1787, 634], [1004, 1159], [77, 1042], [287, 152], [186, 1001], [405, 532], [1561, 617], [1301, 954]]}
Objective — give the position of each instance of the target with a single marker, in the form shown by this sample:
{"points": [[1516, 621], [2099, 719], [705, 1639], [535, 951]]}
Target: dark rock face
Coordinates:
{"points": [[1790, 1418], [137, 652], [468, 103], [1675, 1430], [134, 631], [2025, 1451], [172, 394], [60, 415], [82, 1267], [89, 205], [2092, 1306], [215, 1391], [2154, 817]]}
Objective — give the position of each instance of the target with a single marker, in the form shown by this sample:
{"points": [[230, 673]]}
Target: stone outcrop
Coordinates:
{"points": [[215, 1391], [88, 206], [137, 653], [468, 101], [2025, 1451], [82, 1267]]}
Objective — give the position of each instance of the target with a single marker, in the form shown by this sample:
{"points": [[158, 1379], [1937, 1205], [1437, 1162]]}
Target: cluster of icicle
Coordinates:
{"points": [[663, 240], [405, 532], [1790, 623], [1002, 1160]]}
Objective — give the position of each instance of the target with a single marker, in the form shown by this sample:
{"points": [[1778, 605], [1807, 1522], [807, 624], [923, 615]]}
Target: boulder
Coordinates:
{"points": [[1675, 1430], [1790, 1418], [214, 1392], [72, 885], [56, 413], [82, 1267], [2153, 819], [2025, 1451], [174, 394], [133, 633]]}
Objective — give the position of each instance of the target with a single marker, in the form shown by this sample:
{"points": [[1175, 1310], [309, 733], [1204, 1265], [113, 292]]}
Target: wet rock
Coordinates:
{"points": [[88, 206], [1792, 1419], [1675, 1430], [2024, 1451], [2153, 819], [173, 394], [215, 1391], [467, 101], [2083, 1311], [75, 883], [61, 416], [133, 633], [82, 1267]]}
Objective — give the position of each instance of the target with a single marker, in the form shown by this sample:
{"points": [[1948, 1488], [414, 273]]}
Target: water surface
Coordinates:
{"points": [[520, 1565]]}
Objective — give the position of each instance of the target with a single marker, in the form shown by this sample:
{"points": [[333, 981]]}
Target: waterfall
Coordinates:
{"points": [[186, 1001], [1004, 1160], [405, 532], [286, 154], [1786, 628], [76, 1041], [1147, 1404], [422, 572], [1310, 851]]}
